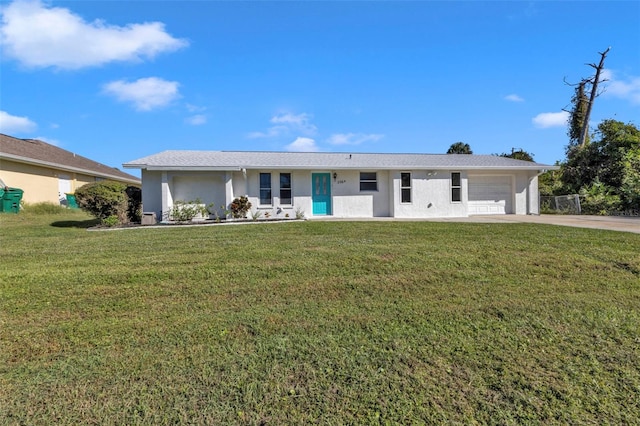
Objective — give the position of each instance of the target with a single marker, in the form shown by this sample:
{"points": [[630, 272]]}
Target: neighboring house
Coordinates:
{"points": [[46, 173], [342, 184]]}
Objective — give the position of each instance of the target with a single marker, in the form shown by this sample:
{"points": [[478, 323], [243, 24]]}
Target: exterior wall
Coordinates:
{"points": [[533, 195], [300, 192], [346, 198], [521, 190], [238, 187], [349, 201], [430, 192], [430, 195], [161, 189], [40, 184], [152, 192]]}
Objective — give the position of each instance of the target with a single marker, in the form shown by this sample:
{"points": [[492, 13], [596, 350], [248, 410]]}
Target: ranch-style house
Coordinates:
{"points": [[342, 185]]}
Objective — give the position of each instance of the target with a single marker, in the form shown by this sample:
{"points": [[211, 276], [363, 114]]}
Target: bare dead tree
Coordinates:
{"points": [[594, 93], [576, 114]]}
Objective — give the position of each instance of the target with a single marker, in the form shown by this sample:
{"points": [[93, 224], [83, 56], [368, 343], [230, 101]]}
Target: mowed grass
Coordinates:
{"points": [[317, 322]]}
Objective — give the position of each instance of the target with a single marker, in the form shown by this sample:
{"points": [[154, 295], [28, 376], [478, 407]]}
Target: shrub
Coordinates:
{"points": [[239, 207], [134, 203], [109, 198], [184, 211], [599, 199], [110, 221], [219, 213]]}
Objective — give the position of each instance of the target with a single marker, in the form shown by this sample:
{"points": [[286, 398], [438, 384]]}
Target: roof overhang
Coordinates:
{"points": [[183, 168], [26, 160], [535, 168]]}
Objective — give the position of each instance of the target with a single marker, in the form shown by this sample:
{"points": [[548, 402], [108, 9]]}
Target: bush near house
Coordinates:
{"points": [[239, 207], [110, 201], [184, 211]]}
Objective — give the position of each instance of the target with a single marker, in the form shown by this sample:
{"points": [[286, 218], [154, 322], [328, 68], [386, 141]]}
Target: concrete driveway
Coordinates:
{"points": [[611, 223]]}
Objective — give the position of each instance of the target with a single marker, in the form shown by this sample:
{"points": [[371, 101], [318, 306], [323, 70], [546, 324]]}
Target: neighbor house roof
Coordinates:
{"points": [[238, 160], [32, 151]]}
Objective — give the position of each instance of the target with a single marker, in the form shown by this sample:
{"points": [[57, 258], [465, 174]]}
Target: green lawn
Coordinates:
{"points": [[317, 322]]}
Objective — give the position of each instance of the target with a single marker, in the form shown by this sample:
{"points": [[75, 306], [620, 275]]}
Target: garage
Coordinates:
{"points": [[490, 195]]}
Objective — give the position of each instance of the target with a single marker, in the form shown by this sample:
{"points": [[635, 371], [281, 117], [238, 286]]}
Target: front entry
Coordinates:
{"points": [[321, 193]]}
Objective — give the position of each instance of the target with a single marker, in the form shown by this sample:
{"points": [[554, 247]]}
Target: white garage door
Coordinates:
{"points": [[490, 195]]}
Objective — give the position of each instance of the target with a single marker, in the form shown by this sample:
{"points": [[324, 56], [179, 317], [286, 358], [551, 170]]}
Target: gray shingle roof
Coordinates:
{"points": [[237, 160], [33, 151]]}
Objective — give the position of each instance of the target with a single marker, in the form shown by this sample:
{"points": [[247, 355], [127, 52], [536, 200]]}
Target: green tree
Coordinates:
{"points": [[459, 148], [518, 154], [611, 161], [550, 183], [630, 188]]}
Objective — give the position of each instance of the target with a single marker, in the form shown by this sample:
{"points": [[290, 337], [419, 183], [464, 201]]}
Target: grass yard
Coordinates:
{"points": [[317, 322]]}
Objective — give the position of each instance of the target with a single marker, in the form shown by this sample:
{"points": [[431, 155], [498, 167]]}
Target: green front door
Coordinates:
{"points": [[321, 193]]}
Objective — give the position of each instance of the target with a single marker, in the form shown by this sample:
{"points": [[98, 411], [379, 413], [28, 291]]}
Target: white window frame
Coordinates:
{"points": [[403, 188], [458, 187], [290, 189], [261, 188], [368, 181]]}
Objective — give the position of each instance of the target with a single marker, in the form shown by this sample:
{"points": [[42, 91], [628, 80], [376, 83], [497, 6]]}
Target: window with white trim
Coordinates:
{"points": [[405, 187], [285, 188], [265, 188], [456, 187], [368, 181]]}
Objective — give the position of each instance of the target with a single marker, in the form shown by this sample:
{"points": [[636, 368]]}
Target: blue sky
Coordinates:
{"points": [[118, 80]]}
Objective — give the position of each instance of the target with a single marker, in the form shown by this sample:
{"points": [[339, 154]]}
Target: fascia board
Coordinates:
{"points": [[182, 168], [328, 167], [26, 160]]}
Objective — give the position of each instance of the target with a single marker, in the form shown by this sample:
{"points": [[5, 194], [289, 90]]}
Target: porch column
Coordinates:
{"points": [[228, 189], [533, 196], [166, 197]]}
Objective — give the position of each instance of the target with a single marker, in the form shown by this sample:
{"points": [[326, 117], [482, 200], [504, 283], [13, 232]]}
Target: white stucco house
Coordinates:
{"points": [[344, 185]]}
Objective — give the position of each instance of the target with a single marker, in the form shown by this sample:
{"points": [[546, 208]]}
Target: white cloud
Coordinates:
{"points": [[300, 122], [628, 88], [145, 93], [514, 98], [13, 124], [270, 133], [197, 120], [302, 145], [353, 138], [41, 36], [551, 119], [287, 123]]}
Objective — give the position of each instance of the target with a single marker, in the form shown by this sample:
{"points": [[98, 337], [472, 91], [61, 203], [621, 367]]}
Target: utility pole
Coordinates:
{"points": [[594, 93]]}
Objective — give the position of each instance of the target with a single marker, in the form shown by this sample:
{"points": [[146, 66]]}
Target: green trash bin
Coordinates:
{"points": [[71, 201], [1, 195], [11, 200]]}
